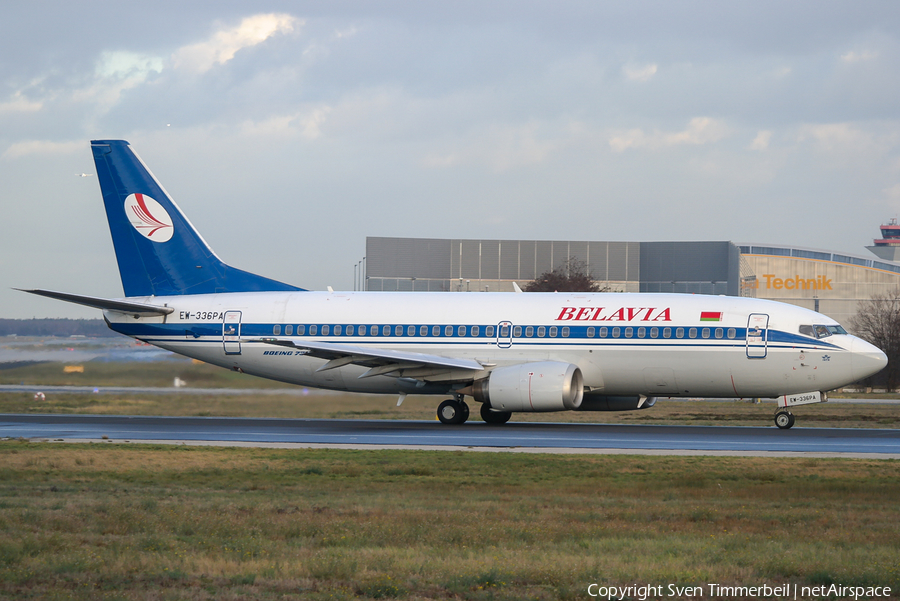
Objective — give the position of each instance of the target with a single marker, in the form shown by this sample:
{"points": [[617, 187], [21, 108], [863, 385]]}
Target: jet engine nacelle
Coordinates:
{"points": [[600, 402], [543, 386]]}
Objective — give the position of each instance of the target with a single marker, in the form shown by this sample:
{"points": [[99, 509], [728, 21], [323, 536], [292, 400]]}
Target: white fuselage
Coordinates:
{"points": [[624, 344]]}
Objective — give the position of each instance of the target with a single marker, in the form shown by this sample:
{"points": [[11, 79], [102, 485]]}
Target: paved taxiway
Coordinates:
{"points": [[536, 437]]}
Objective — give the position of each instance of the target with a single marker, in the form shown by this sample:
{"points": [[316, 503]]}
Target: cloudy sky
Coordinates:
{"points": [[290, 131]]}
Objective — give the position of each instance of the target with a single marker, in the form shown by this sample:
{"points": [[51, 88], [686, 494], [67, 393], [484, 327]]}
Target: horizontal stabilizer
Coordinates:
{"points": [[106, 304]]}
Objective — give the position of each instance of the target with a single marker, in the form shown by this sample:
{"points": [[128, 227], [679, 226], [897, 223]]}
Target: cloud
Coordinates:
{"points": [[20, 149], [127, 65], [842, 138], [761, 141], [345, 33], [20, 104], [305, 124], [857, 57], [224, 44], [639, 73], [700, 130], [500, 147]]}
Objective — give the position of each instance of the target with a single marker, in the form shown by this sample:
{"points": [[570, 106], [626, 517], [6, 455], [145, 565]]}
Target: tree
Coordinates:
{"points": [[571, 276], [877, 321]]}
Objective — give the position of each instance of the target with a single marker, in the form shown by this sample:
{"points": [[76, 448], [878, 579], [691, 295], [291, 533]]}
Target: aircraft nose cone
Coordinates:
{"points": [[867, 359]]}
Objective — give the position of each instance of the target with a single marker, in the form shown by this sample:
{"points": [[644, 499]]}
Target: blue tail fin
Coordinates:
{"points": [[158, 250]]}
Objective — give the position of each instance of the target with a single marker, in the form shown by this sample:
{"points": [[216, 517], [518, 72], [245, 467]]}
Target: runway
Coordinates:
{"points": [[531, 437]]}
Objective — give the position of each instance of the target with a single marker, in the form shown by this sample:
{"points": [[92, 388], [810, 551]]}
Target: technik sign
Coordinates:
{"points": [[770, 282]]}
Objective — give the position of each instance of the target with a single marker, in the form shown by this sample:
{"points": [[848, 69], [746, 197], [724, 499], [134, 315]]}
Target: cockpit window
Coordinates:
{"points": [[821, 331]]}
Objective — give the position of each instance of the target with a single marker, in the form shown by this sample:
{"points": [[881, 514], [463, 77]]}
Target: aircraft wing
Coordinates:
{"points": [[383, 362]]}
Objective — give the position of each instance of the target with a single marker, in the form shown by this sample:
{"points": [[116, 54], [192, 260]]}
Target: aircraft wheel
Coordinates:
{"points": [[465, 411], [784, 419], [494, 417], [450, 412]]}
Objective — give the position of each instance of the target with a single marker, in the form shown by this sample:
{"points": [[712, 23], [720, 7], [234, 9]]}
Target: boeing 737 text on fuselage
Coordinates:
{"points": [[510, 352]]}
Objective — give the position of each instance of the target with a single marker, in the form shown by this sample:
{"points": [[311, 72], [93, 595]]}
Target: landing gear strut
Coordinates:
{"points": [[453, 411], [494, 417], [784, 419]]}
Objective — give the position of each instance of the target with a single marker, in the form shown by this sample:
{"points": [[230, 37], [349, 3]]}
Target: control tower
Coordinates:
{"points": [[888, 247]]}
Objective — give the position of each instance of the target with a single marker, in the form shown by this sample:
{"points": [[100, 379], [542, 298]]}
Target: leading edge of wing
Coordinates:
{"points": [[381, 361]]}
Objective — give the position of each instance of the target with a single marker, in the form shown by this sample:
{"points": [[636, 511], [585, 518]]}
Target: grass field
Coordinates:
{"points": [[104, 521], [140, 522]]}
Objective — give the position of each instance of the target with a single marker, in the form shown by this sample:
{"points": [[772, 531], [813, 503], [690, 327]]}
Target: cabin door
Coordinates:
{"points": [[231, 332], [757, 336], [504, 334]]}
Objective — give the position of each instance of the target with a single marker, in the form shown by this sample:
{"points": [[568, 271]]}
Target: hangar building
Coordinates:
{"points": [[831, 283]]}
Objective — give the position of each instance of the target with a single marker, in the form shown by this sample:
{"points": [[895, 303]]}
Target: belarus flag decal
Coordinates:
{"points": [[710, 316]]}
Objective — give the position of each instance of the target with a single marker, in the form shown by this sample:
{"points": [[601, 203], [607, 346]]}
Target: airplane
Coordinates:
{"points": [[511, 352]]}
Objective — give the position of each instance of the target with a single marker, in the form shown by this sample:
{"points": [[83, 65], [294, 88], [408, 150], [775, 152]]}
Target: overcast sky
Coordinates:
{"points": [[290, 131]]}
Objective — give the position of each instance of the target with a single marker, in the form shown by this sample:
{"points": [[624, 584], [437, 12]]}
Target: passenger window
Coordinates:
{"points": [[461, 331], [398, 330], [603, 332], [529, 331], [565, 331], [313, 330], [350, 330], [373, 330], [489, 331], [732, 333], [719, 332], [475, 331], [435, 330], [326, 330], [423, 330], [616, 332], [679, 333], [338, 330], [361, 330], [692, 333], [629, 332], [642, 332], [410, 330], [667, 332], [385, 330], [542, 331], [504, 331], [590, 332], [553, 331], [517, 331], [654, 332], [301, 330], [288, 330], [705, 332], [448, 330], [276, 330]]}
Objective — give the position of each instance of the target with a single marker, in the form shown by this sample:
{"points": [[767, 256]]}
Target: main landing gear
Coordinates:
{"points": [[453, 411], [784, 419], [494, 417], [456, 411]]}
